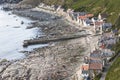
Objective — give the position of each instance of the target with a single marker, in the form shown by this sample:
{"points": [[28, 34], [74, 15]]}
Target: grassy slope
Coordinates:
{"points": [[110, 7], [114, 71]]}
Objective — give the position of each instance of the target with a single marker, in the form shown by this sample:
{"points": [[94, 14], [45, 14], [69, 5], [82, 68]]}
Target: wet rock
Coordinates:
{"points": [[22, 22], [41, 16], [55, 62], [16, 27], [9, 13], [6, 9], [29, 27]]}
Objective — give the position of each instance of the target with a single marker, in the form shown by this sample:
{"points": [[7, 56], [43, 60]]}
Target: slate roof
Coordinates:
{"points": [[88, 21], [96, 54], [110, 41], [107, 54], [107, 25], [97, 60], [80, 13]]}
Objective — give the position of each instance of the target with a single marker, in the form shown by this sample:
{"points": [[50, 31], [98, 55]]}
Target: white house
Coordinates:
{"points": [[85, 71]]}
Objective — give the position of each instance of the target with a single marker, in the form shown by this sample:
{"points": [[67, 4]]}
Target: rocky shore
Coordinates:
{"points": [[59, 61], [9, 1], [36, 15]]}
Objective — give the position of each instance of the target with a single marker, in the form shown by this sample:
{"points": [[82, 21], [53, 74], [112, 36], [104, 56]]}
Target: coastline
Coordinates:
{"points": [[57, 61]]}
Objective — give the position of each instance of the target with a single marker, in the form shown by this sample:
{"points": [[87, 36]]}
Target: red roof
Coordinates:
{"points": [[82, 17], [102, 46], [85, 67], [89, 15], [86, 16], [95, 66]]}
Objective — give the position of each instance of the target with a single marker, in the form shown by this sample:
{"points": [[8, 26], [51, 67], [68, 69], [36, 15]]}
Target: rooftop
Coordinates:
{"points": [[96, 54], [107, 25], [95, 66], [89, 15], [85, 67], [99, 23]]}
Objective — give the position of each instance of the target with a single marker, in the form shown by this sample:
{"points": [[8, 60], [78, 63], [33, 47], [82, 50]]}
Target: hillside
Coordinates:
{"points": [[60, 61], [114, 70], [95, 6]]}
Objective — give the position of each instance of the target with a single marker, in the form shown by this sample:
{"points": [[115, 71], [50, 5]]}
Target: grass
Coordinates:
{"points": [[116, 47], [110, 7], [114, 71], [98, 77]]}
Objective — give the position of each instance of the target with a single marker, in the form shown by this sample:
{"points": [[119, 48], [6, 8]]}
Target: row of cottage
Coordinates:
{"points": [[94, 63], [83, 19]]}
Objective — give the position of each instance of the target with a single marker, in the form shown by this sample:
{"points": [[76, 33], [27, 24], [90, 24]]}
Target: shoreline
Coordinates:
{"points": [[58, 61]]}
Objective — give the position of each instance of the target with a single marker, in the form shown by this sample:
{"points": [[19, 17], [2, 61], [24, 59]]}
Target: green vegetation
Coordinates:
{"points": [[114, 71], [110, 7], [116, 47], [97, 77]]}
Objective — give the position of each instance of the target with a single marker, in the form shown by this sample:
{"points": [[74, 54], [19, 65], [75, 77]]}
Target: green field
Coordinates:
{"points": [[114, 71]]}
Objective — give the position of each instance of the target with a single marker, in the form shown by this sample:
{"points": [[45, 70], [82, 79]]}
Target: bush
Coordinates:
{"points": [[113, 73], [97, 77]]}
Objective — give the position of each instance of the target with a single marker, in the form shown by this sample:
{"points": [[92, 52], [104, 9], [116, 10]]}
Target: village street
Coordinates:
{"points": [[105, 71], [107, 67]]}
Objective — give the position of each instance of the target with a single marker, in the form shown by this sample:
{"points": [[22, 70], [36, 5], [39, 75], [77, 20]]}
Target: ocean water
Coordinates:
{"points": [[12, 35]]}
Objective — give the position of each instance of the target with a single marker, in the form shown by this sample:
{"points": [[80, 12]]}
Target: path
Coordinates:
{"points": [[107, 67]]}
